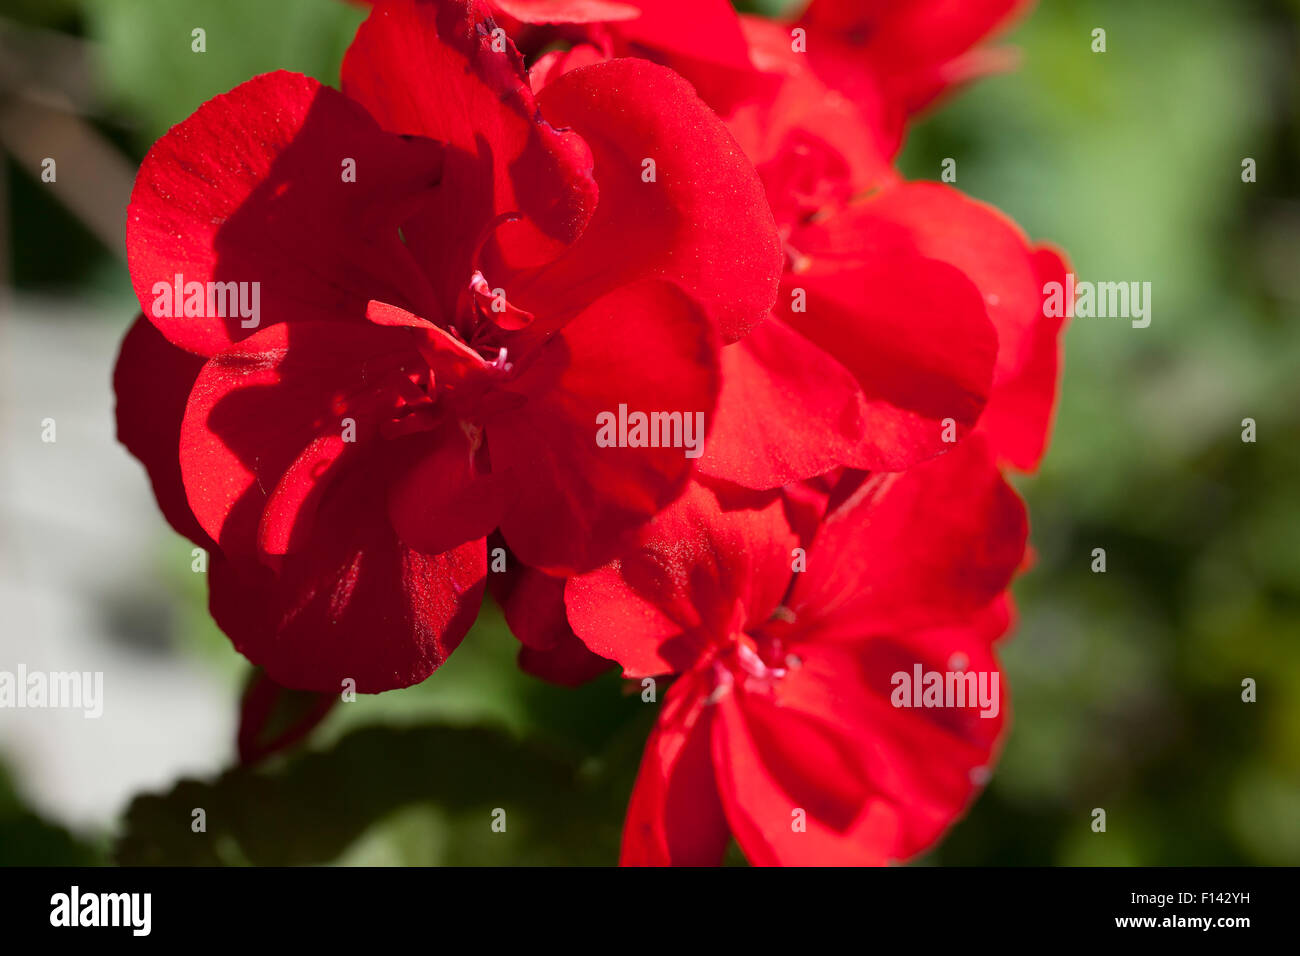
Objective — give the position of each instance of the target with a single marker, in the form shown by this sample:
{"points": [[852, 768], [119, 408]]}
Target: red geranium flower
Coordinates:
{"points": [[437, 332], [783, 727], [908, 314]]}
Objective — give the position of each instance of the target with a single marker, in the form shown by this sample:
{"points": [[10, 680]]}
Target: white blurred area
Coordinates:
{"points": [[82, 551]]}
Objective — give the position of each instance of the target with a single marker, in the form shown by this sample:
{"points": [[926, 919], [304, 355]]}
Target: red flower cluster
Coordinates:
{"points": [[627, 294]]}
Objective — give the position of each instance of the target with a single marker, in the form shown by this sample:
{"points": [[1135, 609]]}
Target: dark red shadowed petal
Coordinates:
{"points": [[704, 222], [533, 604], [152, 381], [570, 502], [284, 394], [805, 507], [438, 70], [453, 363], [930, 545], [446, 496], [703, 570], [290, 510], [914, 334], [569, 663], [675, 817], [273, 719], [250, 189], [354, 602]]}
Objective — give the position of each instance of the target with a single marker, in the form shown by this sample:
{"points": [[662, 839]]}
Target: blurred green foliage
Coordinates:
{"points": [[1126, 685], [27, 840], [156, 79], [383, 795]]}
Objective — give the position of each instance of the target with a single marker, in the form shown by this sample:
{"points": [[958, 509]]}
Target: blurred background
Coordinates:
{"points": [[1126, 686]]}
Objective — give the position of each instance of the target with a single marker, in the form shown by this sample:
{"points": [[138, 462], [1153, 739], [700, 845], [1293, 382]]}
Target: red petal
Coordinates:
{"points": [[773, 779], [763, 435], [570, 501], [446, 497], [622, 620], [813, 146], [556, 63], [568, 663], [431, 69], [935, 543], [355, 603], [566, 11], [533, 604], [914, 333], [1018, 419], [152, 381], [703, 223], [704, 569], [938, 222], [675, 817], [250, 189], [264, 402], [916, 46], [875, 783], [714, 35], [711, 53], [273, 719], [805, 507], [291, 508]]}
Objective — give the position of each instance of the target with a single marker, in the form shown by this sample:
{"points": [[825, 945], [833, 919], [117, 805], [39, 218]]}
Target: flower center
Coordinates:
{"points": [[484, 312], [754, 662], [491, 306]]}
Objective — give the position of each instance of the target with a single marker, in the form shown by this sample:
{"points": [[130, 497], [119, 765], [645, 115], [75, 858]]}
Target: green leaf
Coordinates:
{"points": [[425, 795]]}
